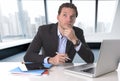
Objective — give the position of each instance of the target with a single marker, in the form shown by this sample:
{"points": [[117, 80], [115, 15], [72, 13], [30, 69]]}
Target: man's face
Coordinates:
{"points": [[66, 18]]}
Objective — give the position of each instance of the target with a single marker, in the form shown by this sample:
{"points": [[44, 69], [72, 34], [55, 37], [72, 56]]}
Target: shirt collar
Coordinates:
{"points": [[59, 34]]}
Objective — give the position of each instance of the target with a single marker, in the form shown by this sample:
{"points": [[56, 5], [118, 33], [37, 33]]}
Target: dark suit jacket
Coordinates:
{"points": [[47, 40]]}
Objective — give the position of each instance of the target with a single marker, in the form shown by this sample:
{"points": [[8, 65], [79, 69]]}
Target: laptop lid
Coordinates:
{"points": [[108, 57]]}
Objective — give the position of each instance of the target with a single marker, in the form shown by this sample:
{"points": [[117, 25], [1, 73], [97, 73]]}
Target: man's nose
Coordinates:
{"points": [[69, 19]]}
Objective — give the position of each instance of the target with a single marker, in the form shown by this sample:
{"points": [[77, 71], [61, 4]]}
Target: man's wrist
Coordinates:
{"points": [[50, 60], [77, 43], [46, 60]]}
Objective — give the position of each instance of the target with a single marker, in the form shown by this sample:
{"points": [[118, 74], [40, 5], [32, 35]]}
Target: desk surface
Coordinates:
{"points": [[56, 73]]}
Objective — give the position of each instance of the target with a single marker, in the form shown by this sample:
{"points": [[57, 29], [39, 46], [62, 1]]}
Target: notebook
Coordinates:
{"points": [[108, 60], [17, 70], [23, 69]]}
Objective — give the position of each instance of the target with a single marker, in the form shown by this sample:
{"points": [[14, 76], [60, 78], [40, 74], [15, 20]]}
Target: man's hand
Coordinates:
{"points": [[70, 34], [58, 59]]}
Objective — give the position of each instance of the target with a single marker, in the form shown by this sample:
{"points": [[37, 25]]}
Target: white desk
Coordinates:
{"points": [[57, 73]]}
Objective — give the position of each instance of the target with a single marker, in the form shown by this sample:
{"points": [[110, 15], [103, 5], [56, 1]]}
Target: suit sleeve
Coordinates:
{"points": [[32, 53], [84, 52]]}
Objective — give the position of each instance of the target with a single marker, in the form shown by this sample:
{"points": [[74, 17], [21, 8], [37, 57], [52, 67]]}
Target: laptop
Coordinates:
{"points": [[108, 61]]}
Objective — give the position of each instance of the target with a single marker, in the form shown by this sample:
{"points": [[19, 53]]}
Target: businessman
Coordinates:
{"points": [[59, 41]]}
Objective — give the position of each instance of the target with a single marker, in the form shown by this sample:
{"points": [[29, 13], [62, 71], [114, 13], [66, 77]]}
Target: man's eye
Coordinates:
{"points": [[64, 15]]}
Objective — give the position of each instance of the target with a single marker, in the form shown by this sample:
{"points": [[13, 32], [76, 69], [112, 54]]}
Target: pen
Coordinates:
{"points": [[27, 62], [65, 57]]}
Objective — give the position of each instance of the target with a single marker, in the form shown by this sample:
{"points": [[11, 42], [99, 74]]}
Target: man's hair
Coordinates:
{"points": [[68, 5]]}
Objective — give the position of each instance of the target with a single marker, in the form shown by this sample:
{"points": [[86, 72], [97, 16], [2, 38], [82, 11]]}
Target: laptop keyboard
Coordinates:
{"points": [[86, 68], [86, 65], [89, 70]]}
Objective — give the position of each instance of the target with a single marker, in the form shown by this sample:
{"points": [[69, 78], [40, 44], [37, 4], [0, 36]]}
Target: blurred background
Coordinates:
{"points": [[20, 19]]}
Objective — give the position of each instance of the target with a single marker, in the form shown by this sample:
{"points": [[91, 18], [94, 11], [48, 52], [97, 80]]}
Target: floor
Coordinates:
{"points": [[19, 57]]}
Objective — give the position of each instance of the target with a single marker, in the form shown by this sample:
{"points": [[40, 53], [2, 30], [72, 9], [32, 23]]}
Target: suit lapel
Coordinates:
{"points": [[68, 46], [55, 37]]}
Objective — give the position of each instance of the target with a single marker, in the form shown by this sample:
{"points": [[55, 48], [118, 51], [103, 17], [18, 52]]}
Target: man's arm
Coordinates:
{"points": [[84, 52], [32, 53], [75, 35]]}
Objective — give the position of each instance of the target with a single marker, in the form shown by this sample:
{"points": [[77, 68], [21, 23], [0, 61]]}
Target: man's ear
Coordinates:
{"points": [[57, 17]]}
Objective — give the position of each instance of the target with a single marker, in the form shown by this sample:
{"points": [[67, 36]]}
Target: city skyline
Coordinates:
{"points": [[25, 20]]}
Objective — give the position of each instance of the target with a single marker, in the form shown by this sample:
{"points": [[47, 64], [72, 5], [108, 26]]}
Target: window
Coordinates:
{"points": [[34, 16], [9, 20], [106, 12], [52, 7], [86, 15], [20, 18]]}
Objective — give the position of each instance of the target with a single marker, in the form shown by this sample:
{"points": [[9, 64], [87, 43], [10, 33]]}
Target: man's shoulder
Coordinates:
{"points": [[77, 28], [48, 25]]}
